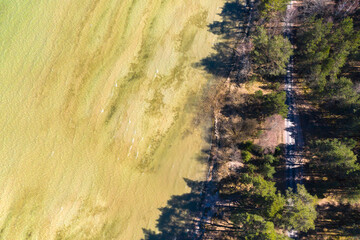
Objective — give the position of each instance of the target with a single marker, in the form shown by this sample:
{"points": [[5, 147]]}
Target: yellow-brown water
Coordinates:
{"points": [[96, 120]]}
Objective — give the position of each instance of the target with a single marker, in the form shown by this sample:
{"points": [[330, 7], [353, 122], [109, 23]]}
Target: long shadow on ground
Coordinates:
{"points": [[335, 220]]}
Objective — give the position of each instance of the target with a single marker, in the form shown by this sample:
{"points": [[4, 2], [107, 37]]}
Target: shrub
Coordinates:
{"points": [[246, 156]]}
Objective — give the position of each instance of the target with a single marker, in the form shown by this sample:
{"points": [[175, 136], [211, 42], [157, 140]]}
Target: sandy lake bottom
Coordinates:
{"points": [[97, 106]]}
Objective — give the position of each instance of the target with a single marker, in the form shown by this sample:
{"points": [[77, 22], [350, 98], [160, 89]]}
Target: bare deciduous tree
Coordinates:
{"points": [[346, 7], [291, 15], [244, 65], [312, 7]]}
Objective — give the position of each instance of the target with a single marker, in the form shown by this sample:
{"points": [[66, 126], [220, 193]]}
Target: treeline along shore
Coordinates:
{"points": [[249, 198]]}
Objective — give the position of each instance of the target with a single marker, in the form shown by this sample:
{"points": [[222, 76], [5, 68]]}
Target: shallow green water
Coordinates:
{"points": [[96, 128]]}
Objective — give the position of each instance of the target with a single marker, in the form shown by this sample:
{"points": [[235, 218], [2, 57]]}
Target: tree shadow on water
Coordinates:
{"points": [[178, 219], [183, 215], [233, 15], [231, 26]]}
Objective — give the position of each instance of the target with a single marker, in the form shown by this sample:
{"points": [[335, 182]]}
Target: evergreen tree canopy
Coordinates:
{"points": [[270, 54], [324, 48], [334, 158], [300, 212], [255, 227], [272, 8]]}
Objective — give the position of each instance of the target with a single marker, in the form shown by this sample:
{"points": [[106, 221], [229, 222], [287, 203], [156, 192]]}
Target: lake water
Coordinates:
{"points": [[97, 104]]}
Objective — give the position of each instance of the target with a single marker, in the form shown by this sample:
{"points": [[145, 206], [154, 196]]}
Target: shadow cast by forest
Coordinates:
{"points": [[178, 220], [339, 220], [231, 26], [183, 216]]}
